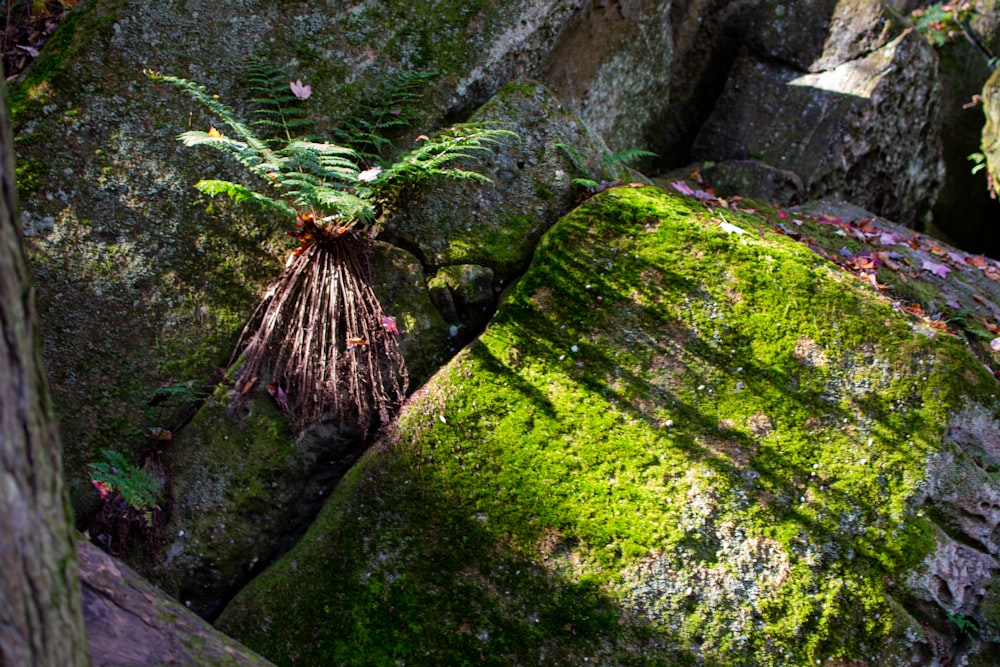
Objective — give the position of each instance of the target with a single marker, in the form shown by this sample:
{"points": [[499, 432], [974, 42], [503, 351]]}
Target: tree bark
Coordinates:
{"points": [[41, 616], [132, 624]]}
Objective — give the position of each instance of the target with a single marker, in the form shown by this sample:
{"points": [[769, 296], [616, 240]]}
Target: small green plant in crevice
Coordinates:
{"points": [[941, 22], [319, 340], [965, 625], [978, 161], [136, 486], [585, 179]]}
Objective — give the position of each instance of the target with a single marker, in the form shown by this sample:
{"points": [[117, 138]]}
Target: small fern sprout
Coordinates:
{"points": [[319, 337], [585, 179]]}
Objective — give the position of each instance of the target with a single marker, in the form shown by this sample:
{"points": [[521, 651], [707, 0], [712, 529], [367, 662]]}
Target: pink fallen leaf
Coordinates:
{"points": [[276, 392], [888, 238], [935, 268], [682, 187], [299, 90]]}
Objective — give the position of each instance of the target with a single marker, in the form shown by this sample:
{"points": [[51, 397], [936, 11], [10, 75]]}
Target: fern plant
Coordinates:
{"points": [[585, 179], [319, 338], [137, 487], [275, 107]]}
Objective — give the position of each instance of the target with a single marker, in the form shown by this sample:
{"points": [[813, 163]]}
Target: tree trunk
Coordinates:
{"points": [[132, 624], [41, 617]]}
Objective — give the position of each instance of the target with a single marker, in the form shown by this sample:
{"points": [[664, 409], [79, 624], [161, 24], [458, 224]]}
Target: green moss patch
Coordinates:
{"points": [[677, 438]]}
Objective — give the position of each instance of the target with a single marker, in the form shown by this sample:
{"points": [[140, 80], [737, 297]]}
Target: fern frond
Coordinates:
{"points": [[430, 158], [212, 103], [392, 108], [273, 105], [240, 194], [217, 141], [579, 165], [627, 157], [347, 205], [138, 488]]}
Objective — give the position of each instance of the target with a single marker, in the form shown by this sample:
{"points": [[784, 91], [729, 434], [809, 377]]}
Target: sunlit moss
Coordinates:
{"points": [[670, 436]]}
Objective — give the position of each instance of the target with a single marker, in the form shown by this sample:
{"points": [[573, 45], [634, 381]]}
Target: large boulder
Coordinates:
{"points": [[855, 114], [820, 35], [991, 130], [142, 283], [683, 439], [244, 491]]}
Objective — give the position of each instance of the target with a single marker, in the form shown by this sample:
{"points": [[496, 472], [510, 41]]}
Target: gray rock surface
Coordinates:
{"points": [[865, 130]]}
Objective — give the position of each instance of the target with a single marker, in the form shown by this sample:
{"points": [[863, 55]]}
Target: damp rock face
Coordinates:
{"points": [[991, 130], [863, 126], [144, 285], [683, 438]]}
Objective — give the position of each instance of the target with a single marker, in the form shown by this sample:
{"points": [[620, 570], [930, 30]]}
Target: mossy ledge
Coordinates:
{"points": [[683, 439]]}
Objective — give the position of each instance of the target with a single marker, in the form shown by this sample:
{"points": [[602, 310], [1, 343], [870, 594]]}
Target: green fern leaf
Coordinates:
{"points": [[241, 194], [138, 488], [627, 157]]}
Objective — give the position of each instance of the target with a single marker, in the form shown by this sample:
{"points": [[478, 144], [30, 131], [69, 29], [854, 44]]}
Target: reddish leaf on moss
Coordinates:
{"points": [[992, 328]]}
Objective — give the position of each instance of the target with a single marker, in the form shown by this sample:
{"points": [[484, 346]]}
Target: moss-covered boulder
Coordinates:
{"points": [[683, 439]]}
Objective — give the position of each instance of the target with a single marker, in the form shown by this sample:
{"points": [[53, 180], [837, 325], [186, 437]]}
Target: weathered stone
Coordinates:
{"points": [[820, 35], [243, 492], [757, 180], [612, 66], [497, 225], [865, 131]]}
